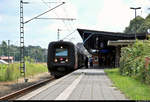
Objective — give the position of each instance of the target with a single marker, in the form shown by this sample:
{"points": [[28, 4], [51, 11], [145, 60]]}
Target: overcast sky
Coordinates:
{"points": [[102, 15]]}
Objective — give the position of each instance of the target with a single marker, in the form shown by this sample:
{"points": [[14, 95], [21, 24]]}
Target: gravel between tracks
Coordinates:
{"points": [[9, 87]]}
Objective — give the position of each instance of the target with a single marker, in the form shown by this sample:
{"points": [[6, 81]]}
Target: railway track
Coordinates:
{"points": [[26, 90]]}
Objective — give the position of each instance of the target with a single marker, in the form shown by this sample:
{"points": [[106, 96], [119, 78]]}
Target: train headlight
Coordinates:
{"points": [[66, 60], [55, 60]]}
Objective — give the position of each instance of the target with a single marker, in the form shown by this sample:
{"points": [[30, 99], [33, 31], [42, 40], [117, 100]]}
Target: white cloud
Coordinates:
{"points": [[144, 4], [49, 29], [114, 16], [83, 26], [0, 18], [54, 26], [74, 37], [67, 10]]}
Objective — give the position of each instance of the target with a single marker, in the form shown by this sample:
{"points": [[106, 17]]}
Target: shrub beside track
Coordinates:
{"points": [[12, 72]]}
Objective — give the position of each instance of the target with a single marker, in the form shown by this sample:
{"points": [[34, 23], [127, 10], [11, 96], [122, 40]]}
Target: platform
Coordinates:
{"points": [[82, 84]]}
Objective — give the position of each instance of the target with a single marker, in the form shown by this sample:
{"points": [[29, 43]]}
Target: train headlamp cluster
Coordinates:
{"points": [[55, 60], [66, 60], [61, 59]]}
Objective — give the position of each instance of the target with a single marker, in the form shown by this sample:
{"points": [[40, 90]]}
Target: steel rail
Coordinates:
{"points": [[25, 90]]}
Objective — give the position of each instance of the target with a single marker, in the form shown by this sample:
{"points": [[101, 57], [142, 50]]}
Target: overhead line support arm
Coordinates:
{"points": [[44, 13]]}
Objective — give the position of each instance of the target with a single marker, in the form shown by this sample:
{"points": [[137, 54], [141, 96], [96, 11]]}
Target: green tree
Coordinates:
{"points": [[146, 25], [135, 24], [15, 52], [4, 48], [36, 53]]}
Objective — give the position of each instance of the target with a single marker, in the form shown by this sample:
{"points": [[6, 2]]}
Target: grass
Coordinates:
{"points": [[36, 68], [12, 72], [132, 88]]}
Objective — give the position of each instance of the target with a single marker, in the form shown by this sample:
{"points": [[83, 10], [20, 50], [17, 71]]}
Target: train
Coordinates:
{"points": [[63, 58]]}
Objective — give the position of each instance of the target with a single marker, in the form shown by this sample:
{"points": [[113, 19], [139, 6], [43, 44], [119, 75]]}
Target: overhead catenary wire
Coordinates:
{"points": [[69, 27], [54, 12], [65, 11], [32, 2], [69, 35], [45, 2], [72, 24], [59, 17], [68, 17], [44, 13], [49, 6]]}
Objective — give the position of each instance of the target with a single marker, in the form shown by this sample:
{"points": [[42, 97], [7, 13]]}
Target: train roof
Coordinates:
{"points": [[61, 42], [68, 43]]}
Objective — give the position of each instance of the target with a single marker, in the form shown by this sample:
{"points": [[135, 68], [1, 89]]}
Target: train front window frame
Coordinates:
{"points": [[61, 52]]}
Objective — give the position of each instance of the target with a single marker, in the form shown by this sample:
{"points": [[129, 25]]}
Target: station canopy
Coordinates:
{"points": [[93, 39]]}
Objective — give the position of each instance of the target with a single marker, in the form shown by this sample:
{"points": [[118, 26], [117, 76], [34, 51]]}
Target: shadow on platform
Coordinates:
{"points": [[98, 67]]}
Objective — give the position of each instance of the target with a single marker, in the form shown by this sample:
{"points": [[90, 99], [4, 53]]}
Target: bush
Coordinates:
{"points": [[132, 61], [12, 72]]}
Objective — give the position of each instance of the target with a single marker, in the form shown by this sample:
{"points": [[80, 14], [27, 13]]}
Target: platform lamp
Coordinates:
{"points": [[135, 17]]}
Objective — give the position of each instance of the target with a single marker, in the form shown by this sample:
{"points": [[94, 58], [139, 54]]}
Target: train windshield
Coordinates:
{"points": [[61, 52]]}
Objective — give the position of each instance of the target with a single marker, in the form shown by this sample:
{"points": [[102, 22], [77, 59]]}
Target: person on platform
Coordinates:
{"points": [[91, 62], [86, 62]]}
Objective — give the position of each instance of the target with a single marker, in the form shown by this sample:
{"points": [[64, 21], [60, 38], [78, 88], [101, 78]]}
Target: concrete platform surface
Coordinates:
{"points": [[82, 84]]}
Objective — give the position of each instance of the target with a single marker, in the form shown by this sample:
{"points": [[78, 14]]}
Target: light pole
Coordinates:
{"points": [[135, 17], [8, 52]]}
